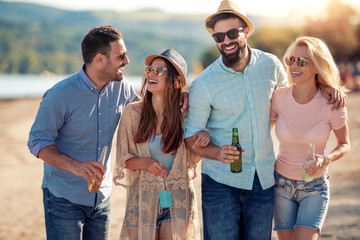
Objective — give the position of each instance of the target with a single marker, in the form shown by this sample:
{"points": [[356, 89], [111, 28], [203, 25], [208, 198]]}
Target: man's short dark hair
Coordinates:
{"points": [[223, 16], [98, 41]]}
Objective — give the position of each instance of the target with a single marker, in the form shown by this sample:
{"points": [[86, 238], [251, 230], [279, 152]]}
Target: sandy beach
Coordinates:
{"points": [[21, 174]]}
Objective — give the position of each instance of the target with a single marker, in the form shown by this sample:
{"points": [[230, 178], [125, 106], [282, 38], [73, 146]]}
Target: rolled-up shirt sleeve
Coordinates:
{"points": [[49, 119], [199, 110]]}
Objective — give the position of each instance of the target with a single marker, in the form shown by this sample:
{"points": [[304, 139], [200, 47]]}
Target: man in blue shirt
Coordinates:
{"points": [[76, 119], [235, 92]]}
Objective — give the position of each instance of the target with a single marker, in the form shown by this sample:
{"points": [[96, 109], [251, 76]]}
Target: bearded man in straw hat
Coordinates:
{"points": [[234, 92]]}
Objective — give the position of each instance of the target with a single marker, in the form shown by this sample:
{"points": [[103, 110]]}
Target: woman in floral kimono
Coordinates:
{"points": [[151, 150]]}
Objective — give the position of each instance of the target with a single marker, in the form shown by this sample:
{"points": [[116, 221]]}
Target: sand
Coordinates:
{"points": [[22, 214]]}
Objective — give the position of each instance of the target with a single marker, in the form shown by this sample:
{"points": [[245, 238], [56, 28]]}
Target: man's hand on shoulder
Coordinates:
{"points": [[334, 96]]}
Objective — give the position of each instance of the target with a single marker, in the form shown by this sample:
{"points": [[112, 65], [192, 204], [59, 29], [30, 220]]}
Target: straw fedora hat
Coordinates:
{"points": [[228, 6], [175, 59]]}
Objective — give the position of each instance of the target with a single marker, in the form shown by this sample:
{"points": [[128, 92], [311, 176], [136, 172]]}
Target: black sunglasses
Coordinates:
{"points": [[232, 34], [301, 61], [120, 55]]}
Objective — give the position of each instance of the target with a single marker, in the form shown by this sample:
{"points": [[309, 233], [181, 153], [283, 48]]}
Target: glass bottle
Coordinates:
{"points": [[93, 186], [236, 165], [309, 159]]}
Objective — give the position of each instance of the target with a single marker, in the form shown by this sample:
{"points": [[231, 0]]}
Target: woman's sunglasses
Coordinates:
{"points": [[158, 70], [232, 34], [301, 61]]}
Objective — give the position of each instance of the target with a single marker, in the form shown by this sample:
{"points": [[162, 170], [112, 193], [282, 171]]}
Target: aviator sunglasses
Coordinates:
{"points": [[301, 61], [232, 34], [158, 70]]}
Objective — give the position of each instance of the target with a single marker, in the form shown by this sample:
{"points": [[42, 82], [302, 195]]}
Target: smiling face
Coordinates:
{"points": [[306, 73], [232, 50], [116, 60], [157, 84]]}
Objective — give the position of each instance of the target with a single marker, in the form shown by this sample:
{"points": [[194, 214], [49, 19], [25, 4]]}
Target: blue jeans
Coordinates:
{"points": [[300, 204], [66, 220], [232, 213]]}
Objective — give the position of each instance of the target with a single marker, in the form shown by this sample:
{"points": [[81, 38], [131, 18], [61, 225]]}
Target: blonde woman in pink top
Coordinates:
{"points": [[302, 116]]}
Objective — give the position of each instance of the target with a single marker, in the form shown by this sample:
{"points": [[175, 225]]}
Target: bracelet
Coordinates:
{"points": [[326, 160]]}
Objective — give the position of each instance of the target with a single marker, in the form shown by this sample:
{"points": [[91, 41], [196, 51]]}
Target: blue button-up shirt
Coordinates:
{"points": [[221, 99], [79, 120]]}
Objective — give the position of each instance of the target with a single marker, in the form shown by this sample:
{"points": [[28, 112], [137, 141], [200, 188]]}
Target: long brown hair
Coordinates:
{"points": [[171, 127]]}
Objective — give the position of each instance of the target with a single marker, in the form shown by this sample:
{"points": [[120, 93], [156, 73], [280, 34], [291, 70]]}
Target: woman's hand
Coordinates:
{"points": [[202, 139], [157, 168], [184, 102], [318, 164]]}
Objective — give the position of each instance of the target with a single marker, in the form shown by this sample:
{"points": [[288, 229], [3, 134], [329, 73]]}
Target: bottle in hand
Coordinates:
{"points": [[310, 157], [236, 166], [93, 186]]}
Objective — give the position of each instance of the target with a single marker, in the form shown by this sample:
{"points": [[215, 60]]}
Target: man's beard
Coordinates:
{"points": [[233, 59], [109, 75]]}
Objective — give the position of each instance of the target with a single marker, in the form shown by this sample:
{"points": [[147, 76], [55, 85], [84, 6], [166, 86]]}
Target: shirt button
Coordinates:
{"points": [[99, 131], [99, 114], [99, 149]]}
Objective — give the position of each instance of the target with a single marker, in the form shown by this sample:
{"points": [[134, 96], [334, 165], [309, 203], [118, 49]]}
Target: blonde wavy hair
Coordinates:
{"points": [[327, 72]]}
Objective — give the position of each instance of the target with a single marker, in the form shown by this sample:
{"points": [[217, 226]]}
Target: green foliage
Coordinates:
{"points": [[35, 38], [338, 30], [36, 47], [209, 56], [274, 40]]}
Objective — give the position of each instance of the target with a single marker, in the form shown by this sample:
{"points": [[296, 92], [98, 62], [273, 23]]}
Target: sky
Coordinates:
{"points": [[254, 7]]}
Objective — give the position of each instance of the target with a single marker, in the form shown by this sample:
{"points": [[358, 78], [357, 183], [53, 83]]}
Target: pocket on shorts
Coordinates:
{"points": [[319, 184], [279, 181]]}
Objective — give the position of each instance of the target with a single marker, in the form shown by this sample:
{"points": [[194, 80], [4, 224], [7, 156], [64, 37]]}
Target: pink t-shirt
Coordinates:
{"points": [[298, 125]]}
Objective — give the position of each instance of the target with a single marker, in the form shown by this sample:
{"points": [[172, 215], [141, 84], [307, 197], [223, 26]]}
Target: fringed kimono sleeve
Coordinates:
{"points": [[192, 160], [126, 147]]}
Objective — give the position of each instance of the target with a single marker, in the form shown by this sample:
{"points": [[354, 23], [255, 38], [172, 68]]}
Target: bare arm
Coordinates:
{"points": [[224, 153], [153, 166], [342, 147], [87, 169]]}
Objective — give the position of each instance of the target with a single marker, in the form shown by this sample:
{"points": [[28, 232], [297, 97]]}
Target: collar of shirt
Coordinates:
{"points": [[86, 79]]}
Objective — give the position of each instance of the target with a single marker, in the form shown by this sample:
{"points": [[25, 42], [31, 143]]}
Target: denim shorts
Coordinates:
{"points": [[297, 203], [163, 216]]}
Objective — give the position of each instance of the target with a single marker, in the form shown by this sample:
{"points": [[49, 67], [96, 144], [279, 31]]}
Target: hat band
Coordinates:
{"points": [[227, 10]]}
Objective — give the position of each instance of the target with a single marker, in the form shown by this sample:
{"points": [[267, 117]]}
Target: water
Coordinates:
{"points": [[23, 86]]}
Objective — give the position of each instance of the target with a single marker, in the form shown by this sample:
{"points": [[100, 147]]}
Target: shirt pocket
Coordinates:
{"points": [[114, 115]]}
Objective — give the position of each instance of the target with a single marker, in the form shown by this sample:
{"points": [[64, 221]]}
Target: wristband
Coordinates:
{"points": [[326, 160]]}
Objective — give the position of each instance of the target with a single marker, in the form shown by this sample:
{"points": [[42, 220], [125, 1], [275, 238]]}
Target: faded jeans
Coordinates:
{"points": [[65, 220]]}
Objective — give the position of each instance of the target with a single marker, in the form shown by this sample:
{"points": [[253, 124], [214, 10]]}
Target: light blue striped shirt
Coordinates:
{"points": [[220, 99]]}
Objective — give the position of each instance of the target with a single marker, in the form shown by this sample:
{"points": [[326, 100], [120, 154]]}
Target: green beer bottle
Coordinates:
{"points": [[236, 165]]}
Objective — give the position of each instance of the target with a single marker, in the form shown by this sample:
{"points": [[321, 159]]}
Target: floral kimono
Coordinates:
{"points": [[142, 205]]}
